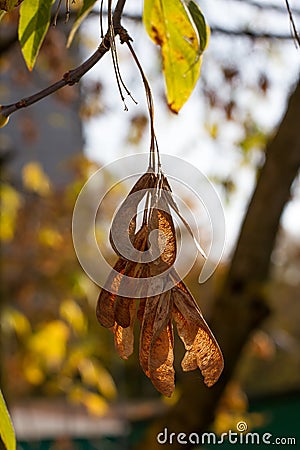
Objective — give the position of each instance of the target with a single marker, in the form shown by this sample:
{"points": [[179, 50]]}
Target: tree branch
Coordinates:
{"points": [[118, 15], [247, 33], [68, 79], [293, 25], [267, 6], [215, 29], [72, 76]]}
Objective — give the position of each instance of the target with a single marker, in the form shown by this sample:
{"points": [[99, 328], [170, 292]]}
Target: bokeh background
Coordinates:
{"points": [[65, 386]]}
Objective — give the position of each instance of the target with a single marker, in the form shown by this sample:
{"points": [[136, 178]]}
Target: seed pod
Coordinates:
{"points": [[167, 194], [147, 331], [124, 222], [141, 310], [161, 221], [122, 305], [152, 253], [161, 356], [202, 349], [161, 363], [106, 300], [124, 337]]}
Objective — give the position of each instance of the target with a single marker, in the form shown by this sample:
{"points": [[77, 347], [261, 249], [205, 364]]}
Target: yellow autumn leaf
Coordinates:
{"points": [[93, 374], [50, 237], [10, 204], [35, 179], [12, 319], [33, 372], [106, 383], [170, 25], [88, 372], [94, 403], [72, 313], [50, 342], [7, 433]]}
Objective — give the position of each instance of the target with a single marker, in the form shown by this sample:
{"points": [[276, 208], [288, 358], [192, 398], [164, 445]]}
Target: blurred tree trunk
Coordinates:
{"points": [[241, 305]]}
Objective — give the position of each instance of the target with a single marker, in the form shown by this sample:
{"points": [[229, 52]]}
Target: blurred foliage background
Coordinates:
{"points": [[51, 345]]}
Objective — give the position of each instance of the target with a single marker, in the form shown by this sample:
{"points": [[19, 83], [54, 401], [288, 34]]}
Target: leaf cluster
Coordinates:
{"points": [[178, 27]]}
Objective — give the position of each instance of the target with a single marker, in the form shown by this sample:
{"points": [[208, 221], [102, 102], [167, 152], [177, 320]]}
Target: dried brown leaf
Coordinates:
{"points": [[202, 348]]}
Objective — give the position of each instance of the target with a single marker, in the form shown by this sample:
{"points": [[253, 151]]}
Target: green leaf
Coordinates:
{"points": [[200, 23], [7, 432], [171, 26], [33, 25], [87, 6]]}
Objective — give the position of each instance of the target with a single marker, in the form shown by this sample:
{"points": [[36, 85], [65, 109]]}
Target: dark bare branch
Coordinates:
{"points": [[247, 33], [267, 6], [72, 76], [69, 78], [295, 33]]}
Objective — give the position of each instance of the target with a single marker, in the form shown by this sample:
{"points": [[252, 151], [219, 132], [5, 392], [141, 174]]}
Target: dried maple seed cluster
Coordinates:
{"points": [[156, 312]]}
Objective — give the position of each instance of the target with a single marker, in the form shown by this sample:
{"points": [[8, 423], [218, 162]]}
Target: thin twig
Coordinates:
{"points": [[69, 78], [266, 6], [67, 11], [295, 33], [118, 13], [56, 14], [247, 33], [112, 24], [153, 143], [114, 53], [117, 68], [72, 76], [101, 20]]}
